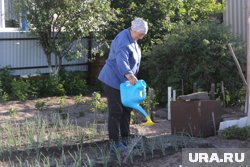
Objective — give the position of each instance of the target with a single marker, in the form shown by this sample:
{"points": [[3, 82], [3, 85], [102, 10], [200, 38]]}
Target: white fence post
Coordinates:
{"points": [[169, 102], [174, 95]]}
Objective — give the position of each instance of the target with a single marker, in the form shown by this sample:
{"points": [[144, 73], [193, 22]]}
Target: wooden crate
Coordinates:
{"points": [[195, 117]]}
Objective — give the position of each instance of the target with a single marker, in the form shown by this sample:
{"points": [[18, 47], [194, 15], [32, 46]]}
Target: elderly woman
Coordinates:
{"points": [[122, 65]]}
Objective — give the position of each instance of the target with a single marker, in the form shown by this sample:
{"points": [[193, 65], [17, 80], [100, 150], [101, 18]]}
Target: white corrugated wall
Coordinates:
{"points": [[235, 17], [19, 49], [28, 53]]}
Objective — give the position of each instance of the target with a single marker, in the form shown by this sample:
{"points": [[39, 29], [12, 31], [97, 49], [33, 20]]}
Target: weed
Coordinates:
{"points": [[97, 104], [12, 111], [61, 101], [40, 105], [79, 99]]}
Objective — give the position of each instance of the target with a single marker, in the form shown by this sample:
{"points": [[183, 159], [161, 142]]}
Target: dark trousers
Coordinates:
{"points": [[119, 116]]}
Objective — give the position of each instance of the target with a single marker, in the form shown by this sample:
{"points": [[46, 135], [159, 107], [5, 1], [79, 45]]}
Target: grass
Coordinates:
{"points": [[236, 132]]}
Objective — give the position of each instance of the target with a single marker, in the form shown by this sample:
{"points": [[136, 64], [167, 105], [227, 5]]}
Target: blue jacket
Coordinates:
{"points": [[124, 57]]}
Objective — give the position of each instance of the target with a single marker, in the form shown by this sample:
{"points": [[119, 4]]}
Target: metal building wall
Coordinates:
{"points": [[23, 53], [235, 17]]}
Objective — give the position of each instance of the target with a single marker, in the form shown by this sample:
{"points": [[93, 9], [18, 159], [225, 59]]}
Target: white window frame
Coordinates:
{"points": [[2, 20]]}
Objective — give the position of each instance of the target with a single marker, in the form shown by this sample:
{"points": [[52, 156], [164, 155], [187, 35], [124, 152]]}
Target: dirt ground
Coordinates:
{"points": [[27, 110]]}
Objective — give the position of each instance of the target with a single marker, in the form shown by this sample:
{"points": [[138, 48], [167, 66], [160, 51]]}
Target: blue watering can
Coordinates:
{"points": [[133, 95]]}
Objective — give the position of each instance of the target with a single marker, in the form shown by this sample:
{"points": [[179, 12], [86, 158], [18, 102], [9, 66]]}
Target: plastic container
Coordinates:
{"points": [[133, 95]]}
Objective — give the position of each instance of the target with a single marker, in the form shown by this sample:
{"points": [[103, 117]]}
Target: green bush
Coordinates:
{"points": [[195, 53], [5, 79], [136, 117], [53, 86], [45, 85], [70, 83], [66, 83], [37, 86], [1, 90], [74, 83], [20, 89], [40, 105], [5, 97], [97, 105]]}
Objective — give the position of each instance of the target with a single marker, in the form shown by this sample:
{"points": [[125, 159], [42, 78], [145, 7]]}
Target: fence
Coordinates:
{"points": [[235, 17], [25, 56]]}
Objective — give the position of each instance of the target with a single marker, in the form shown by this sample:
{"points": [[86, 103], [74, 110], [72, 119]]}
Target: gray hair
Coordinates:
{"points": [[139, 25]]}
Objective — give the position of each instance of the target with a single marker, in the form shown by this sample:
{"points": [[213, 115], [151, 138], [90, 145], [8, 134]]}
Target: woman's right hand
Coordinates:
{"points": [[132, 78]]}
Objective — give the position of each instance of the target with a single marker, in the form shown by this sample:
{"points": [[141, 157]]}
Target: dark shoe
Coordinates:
{"points": [[117, 147], [130, 143]]}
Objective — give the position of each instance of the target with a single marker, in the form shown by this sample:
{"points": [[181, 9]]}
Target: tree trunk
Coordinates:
{"points": [[50, 69], [58, 64]]}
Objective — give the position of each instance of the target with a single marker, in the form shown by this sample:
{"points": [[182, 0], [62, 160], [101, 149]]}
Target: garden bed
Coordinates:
{"points": [[52, 137]]}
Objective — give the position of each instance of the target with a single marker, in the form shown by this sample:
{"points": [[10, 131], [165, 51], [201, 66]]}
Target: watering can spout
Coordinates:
{"points": [[139, 108], [149, 121], [133, 95]]}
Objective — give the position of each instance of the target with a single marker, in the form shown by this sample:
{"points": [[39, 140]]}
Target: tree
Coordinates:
{"points": [[196, 53], [61, 25], [163, 16], [189, 11]]}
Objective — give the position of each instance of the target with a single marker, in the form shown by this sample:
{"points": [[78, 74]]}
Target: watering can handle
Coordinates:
{"points": [[143, 94], [128, 83]]}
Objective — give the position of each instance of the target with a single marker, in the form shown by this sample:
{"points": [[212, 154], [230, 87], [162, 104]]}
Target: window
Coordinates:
{"points": [[9, 19]]}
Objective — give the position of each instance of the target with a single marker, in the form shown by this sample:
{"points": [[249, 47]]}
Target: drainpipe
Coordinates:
{"points": [[2, 23], [248, 61]]}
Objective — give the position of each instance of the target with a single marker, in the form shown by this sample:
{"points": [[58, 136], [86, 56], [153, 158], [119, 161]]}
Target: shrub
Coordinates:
{"points": [[74, 83], [5, 97], [20, 89], [79, 99], [53, 86], [97, 104], [5, 79], [1, 90], [45, 85], [37, 86], [75, 86], [40, 105], [195, 53], [136, 117], [70, 83], [66, 83]]}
